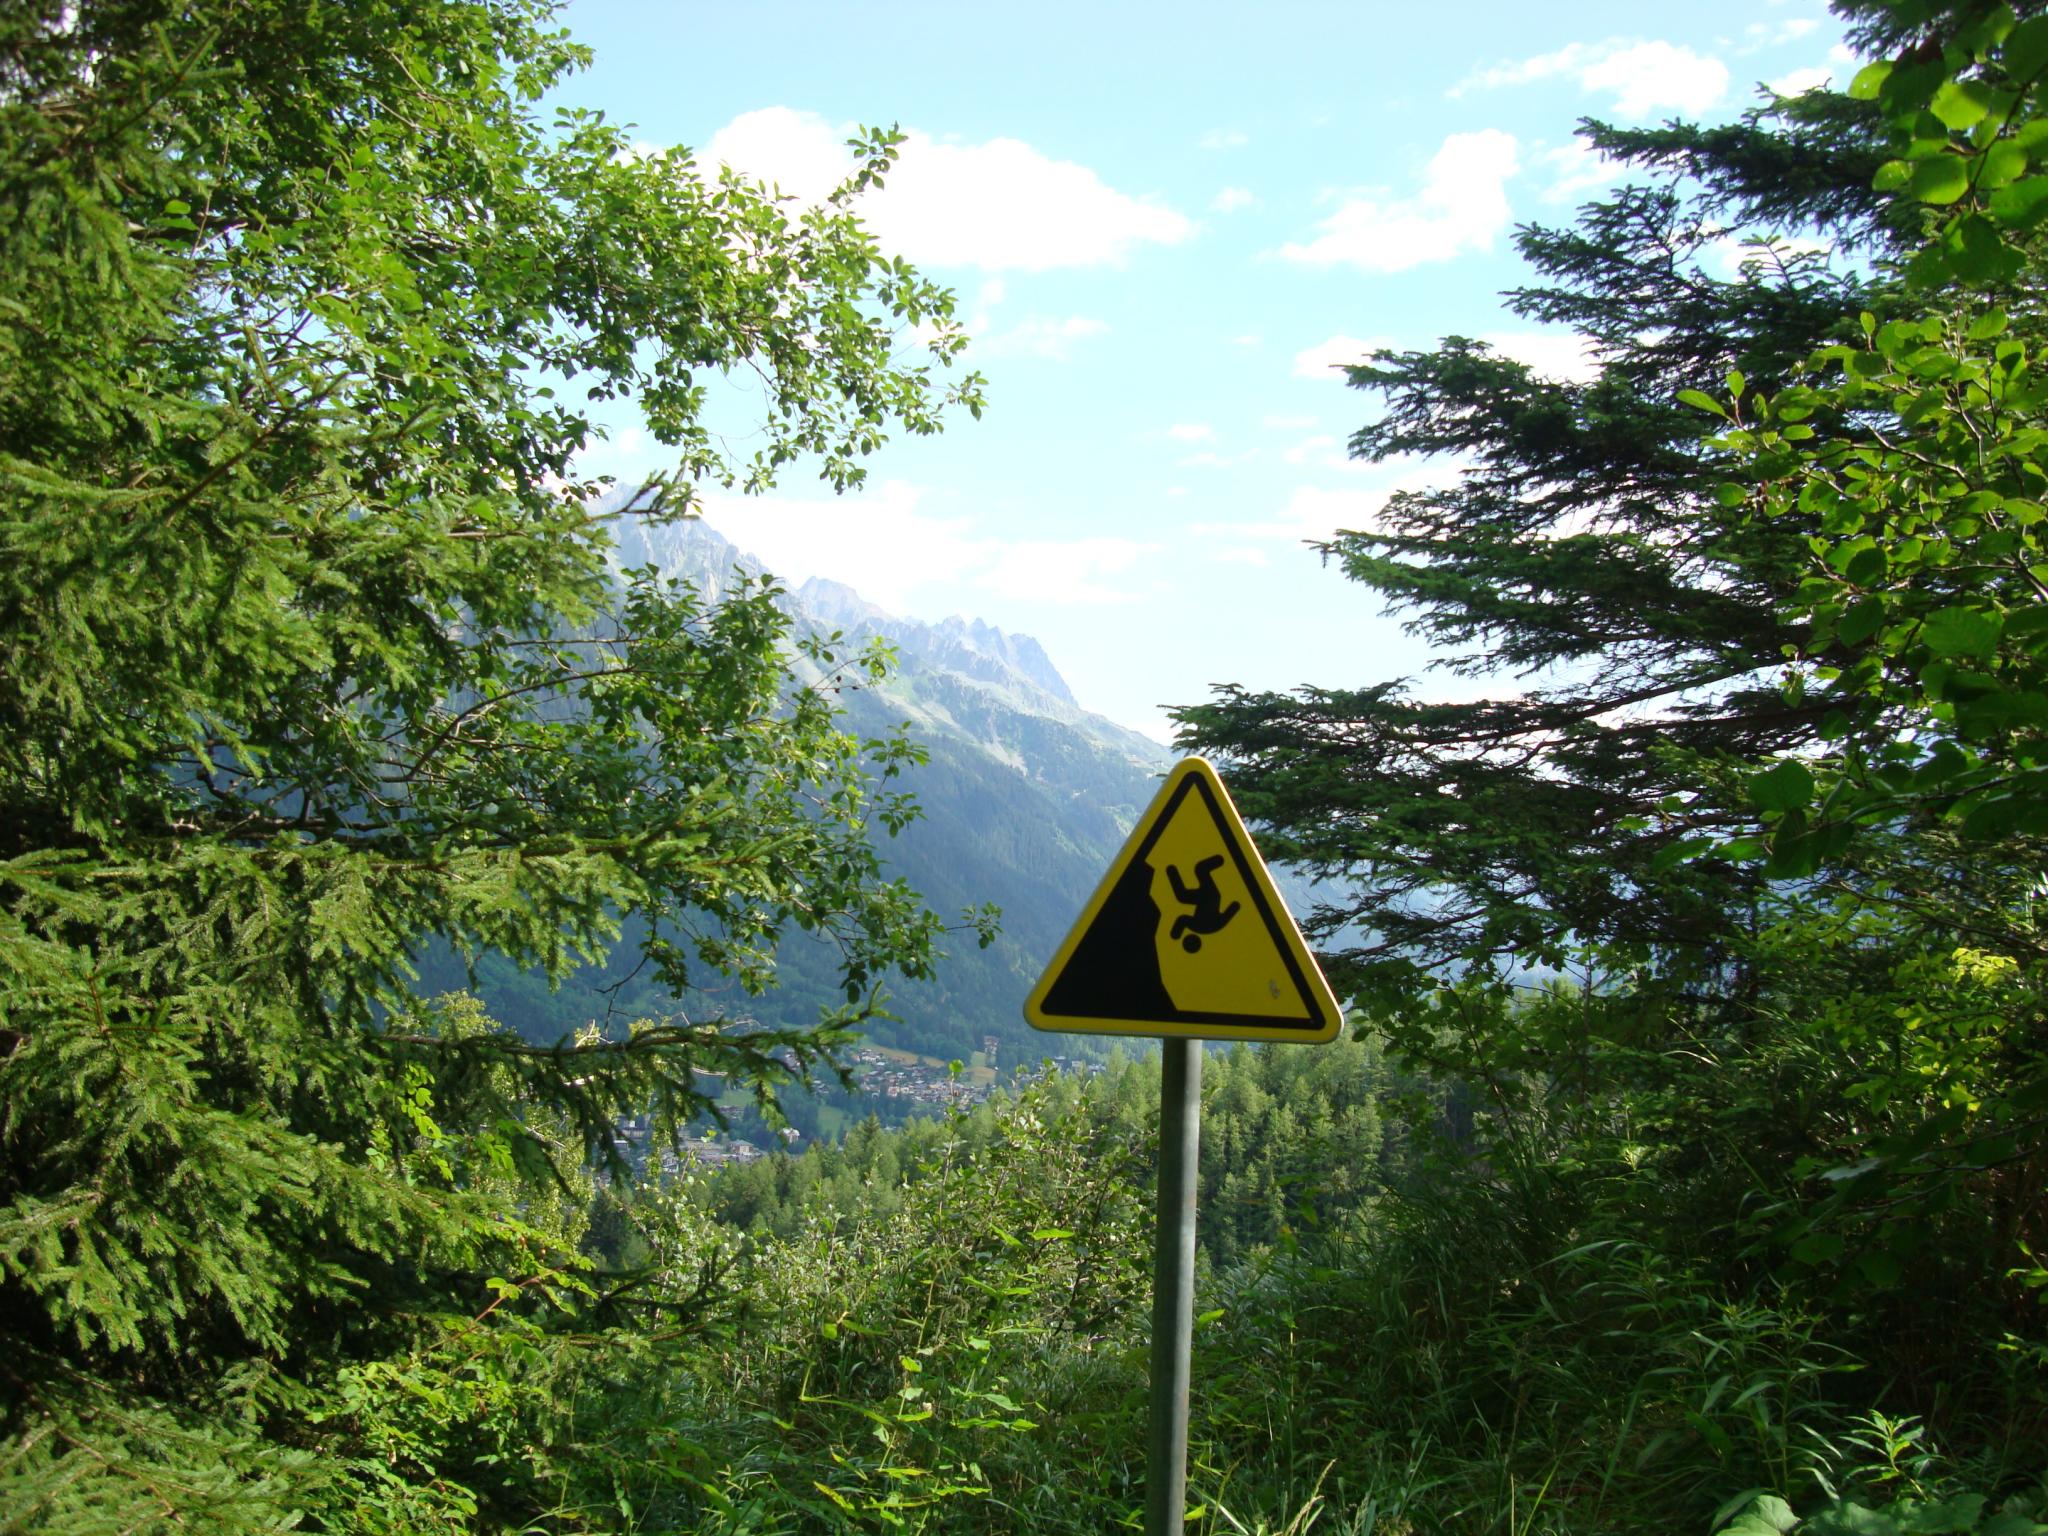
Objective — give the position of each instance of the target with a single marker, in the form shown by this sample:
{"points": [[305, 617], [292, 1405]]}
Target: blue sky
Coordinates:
{"points": [[1164, 224]]}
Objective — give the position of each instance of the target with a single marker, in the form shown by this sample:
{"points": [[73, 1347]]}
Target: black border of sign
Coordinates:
{"points": [[1324, 1014]]}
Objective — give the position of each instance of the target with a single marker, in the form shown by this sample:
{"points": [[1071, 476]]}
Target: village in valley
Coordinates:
{"points": [[892, 1085]]}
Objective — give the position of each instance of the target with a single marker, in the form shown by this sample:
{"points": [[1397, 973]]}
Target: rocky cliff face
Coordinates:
{"points": [[1026, 798]]}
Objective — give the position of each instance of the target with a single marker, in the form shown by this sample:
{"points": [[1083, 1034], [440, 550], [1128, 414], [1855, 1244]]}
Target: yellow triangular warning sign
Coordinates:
{"points": [[1186, 935]]}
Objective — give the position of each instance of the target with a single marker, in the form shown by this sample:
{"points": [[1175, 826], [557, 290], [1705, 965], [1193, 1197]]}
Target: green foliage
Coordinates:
{"points": [[939, 1351], [1773, 797], [1907, 463], [310, 658], [315, 667], [1581, 553]]}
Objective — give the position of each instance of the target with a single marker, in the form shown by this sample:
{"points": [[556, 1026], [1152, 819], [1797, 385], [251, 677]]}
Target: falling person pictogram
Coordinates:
{"points": [[1208, 914], [1186, 935]]}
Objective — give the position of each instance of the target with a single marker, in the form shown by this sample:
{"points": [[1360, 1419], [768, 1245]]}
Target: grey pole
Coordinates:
{"points": [[1173, 1285]]}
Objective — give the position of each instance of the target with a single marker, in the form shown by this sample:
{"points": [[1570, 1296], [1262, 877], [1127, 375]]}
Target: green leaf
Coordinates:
{"points": [[1909, 87], [1995, 713], [1977, 253], [2004, 816], [1850, 1519], [1960, 631], [1785, 786], [2021, 204], [2004, 162], [1943, 764], [2025, 53], [1960, 104], [1929, 267], [1861, 621], [1700, 400], [1868, 80], [1817, 1248], [1767, 1516], [1941, 179], [2012, 1523], [1987, 32], [1880, 1267], [1671, 855], [1866, 565], [1796, 855]]}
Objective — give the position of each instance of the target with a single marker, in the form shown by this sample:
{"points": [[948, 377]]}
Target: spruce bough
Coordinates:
{"points": [[311, 655]]}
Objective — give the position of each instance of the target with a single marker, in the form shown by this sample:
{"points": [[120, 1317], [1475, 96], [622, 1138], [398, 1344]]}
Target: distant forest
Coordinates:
{"points": [[1684, 1162]]}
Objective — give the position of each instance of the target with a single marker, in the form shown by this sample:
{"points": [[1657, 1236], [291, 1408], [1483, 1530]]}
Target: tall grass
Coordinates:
{"points": [[1534, 1325]]}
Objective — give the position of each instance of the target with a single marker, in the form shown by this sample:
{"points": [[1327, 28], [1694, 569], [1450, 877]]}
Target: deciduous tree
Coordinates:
{"points": [[311, 654]]}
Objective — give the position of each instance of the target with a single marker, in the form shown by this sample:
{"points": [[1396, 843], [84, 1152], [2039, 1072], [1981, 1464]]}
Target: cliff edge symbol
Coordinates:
{"points": [[1186, 935]]}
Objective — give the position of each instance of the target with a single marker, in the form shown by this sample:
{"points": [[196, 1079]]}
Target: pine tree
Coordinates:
{"points": [[311, 656], [1582, 553], [1776, 574]]}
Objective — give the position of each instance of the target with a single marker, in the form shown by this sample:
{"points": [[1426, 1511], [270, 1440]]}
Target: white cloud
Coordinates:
{"points": [[1642, 79], [1248, 340], [1317, 447], [1314, 512], [1223, 138], [1654, 77], [1325, 358], [1764, 34], [1208, 459], [1311, 512], [1230, 199], [1542, 67], [1461, 205], [1040, 336], [1799, 81], [880, 543], [999, 205], [1562, 355], [1070, 573], [990, 294], [628, 454], [1576, 169], [1191, 432], [799, 153]]}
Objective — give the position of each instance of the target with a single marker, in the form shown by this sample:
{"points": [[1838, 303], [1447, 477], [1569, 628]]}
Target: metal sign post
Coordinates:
{"points": [[1173, 1285], [1187, 938]]}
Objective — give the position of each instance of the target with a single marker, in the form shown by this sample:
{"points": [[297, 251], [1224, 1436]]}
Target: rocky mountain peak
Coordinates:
{"points": [[1015, 666], [835, 603], [1019, 653]]}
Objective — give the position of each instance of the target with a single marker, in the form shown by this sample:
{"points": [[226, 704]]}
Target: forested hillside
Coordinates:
{"points": [[1022, 799], [320, 664]]}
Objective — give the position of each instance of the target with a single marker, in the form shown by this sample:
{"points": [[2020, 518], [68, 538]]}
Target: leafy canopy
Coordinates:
{"points": [[311, 655], [1761, 607]]}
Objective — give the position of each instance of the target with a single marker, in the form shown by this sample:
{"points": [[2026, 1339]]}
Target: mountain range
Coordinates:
{"points": [[1026, 798]]}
